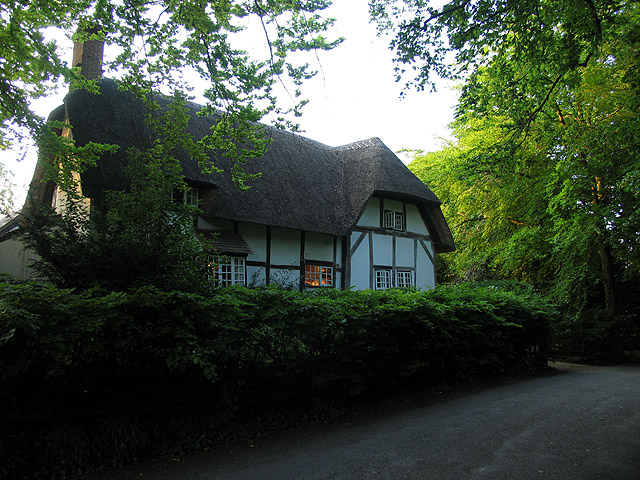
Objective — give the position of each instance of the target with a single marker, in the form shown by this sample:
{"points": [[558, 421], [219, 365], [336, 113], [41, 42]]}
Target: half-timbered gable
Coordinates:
{"points": [[391, 246]]}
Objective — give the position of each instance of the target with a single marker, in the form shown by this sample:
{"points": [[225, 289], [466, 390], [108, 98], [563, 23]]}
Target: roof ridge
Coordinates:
{"points": [[369, 142]]}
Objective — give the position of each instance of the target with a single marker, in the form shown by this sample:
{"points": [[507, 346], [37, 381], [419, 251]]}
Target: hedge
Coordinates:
{"points": [[99, 378]]}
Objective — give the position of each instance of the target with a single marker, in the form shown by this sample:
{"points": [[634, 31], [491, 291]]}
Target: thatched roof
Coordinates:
{"points": [[305, 185]]}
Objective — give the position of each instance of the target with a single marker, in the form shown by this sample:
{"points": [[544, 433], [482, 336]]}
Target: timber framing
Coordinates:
{"points": [[343, 211]]}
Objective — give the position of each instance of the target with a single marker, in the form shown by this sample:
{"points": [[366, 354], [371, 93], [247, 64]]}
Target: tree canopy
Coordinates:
{"points": [[152, 47], [159, 43], [542, 182], [453, 39], [6, 195]]}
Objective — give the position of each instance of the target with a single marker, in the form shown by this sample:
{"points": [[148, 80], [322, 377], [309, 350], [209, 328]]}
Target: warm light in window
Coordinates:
{"points": [[318, 276]]}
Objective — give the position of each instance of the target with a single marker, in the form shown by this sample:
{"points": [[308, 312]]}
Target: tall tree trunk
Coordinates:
{"points": [[606, 264]]}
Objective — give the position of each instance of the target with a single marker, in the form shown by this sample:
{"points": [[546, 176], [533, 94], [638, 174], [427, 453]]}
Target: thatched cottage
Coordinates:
{"points": [[348, 216]]}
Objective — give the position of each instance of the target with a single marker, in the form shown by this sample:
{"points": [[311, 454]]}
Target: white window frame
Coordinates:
{"points": [[393, 220], [318, 275], [382, 278], [404, 278], [227, 270], [191, 197]]}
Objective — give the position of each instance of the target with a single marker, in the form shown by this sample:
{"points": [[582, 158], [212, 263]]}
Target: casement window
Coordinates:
{"points": [[393, 220], [318, 276], [383, 278], [404, 279], [227, 270], [191, 197]]}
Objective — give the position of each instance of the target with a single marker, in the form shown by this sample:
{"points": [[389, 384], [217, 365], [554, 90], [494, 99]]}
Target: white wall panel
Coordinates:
{"points": [[285, 246], [256, 276], [14, 258], [425, 273], [256, 237], [318, 247], [394, 205], [371, 215], [360, 270], [415, 223], [405, 252], [285, 278], [382, 249]]}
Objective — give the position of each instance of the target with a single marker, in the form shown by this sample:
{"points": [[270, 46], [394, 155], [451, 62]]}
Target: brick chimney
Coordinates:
{"points": [[87, 55]]}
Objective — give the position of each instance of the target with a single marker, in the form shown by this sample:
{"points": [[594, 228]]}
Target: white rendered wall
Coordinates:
{"points": [[371, 215], [318, 246], [256, 238], [285, 246], [415, 224], [425, 272], [284, 254], [382, 249], [405, 250], [394, 205], [14, 259], [360, 263]]}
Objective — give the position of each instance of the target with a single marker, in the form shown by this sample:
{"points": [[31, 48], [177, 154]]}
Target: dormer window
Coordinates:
{"points": [[191, 197], [393, 220]]}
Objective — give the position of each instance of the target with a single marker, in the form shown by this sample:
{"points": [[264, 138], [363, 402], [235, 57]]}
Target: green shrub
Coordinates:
{"points": [[99, 377], [593, 337]]}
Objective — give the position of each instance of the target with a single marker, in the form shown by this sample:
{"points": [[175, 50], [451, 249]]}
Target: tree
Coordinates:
{"points": [[133, 238], [6, 195], [497, 234], [557, 83], [159, 44], [455, 39], [140, 236]]}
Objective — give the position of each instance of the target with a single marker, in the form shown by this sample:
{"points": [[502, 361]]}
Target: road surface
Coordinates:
{"points": [[582, 424]]}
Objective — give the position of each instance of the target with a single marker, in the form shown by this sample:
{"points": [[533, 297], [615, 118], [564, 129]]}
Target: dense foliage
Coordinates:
{"points": [[95, 377], [136, 237], [6, 195], [458, 38], [160, 50], [542, 182], [161, 46]]}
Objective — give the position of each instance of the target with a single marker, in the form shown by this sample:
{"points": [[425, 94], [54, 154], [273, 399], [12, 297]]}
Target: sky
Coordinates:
{"points": [[353, 97]]}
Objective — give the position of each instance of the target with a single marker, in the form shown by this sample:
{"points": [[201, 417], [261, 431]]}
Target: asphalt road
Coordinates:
{"points": [[582, 424]]}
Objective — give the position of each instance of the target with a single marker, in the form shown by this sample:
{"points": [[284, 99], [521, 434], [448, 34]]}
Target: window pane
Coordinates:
{"points": [[393, 220], [312, 275], [383, 279], [238, 271], [317, 276], [389, 219], [227, 270], [399, 221], [403, 279], [191, 197]]}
